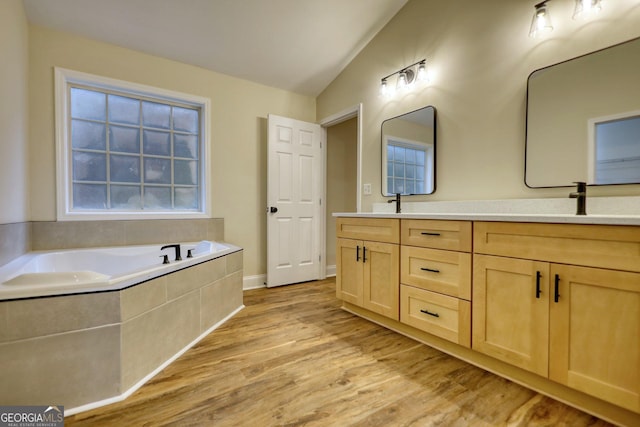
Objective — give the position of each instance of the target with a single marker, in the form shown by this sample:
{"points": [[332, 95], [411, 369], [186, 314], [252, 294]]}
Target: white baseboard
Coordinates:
{"points": [[331, 270], [254, 282], [259, 280]]}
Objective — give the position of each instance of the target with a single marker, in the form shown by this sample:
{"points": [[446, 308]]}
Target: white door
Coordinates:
{"points": [[294, 212]]}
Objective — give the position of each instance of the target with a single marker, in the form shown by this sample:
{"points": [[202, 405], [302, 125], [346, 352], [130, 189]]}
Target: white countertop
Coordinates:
{"points": [[506, 217]]}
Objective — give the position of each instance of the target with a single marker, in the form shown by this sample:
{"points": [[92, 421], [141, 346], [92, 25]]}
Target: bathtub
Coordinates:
{"points": [[62, 272]]}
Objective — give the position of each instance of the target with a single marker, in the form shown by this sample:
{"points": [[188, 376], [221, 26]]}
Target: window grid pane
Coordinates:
{"points": [[151, 146], [405, 169]]}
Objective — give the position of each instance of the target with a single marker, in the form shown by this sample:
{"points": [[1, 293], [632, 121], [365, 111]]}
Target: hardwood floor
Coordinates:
{"points": [[292, 357]]}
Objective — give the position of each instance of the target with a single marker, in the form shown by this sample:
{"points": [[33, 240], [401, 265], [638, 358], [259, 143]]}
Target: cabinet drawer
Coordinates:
{"points": [[437, 234], [606, 246], [440, 315], [446, 272], [385, 230]]}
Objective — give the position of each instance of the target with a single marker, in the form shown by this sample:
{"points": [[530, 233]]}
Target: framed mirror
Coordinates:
{"points": [[583, 120], [409, 153]]}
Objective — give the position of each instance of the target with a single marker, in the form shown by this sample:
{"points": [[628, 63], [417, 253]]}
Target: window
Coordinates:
{"points": [[614, 149], [127, 150], [408, 164]]}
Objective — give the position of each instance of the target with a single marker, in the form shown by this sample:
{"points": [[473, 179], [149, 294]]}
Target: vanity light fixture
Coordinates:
{"points": [[541, 22], [407, 77], [586, 8]]}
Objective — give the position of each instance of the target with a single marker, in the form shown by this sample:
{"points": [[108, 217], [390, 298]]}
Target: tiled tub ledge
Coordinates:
{"points": [[88, 350]]}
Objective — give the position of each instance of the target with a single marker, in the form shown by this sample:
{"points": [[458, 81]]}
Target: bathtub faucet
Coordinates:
{"points": [[177, 249]]}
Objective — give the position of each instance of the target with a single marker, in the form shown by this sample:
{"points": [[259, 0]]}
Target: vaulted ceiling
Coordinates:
{"points": [[297, 45]]}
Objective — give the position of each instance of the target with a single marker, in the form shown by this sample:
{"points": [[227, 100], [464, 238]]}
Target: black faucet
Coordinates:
{"points": [[177, 248], [581, 196], [397, 200]]}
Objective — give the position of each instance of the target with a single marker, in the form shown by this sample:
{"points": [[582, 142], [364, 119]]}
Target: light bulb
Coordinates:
{"points": [[541, 22], [402, 81], [384, 88], [422, 72], [586, 8]]}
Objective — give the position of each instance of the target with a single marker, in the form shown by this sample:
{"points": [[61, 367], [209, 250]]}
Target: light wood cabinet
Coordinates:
{"points": [[576, 325], [446, 272], [561, 302], [367, 272], [435, 278], [437, 234], [595, 333], [510, 318], [441, 315]]}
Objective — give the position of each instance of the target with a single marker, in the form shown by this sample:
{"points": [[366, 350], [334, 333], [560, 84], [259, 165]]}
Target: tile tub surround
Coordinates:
{"points": [[87, 234], [87, 350], [15, 240]]}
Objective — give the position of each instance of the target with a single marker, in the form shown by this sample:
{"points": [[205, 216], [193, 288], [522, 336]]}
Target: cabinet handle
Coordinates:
{"points": [[433, 270], [430, 313], [357, 253], [364, 254], [556, 293], [426, 233], [538, 291]]}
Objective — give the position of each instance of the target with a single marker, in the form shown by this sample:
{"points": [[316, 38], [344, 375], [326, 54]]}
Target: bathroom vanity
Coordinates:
{"points": [[552, 303]]}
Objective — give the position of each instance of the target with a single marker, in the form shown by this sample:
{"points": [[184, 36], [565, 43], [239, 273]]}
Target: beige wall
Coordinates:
{"points": [[13, 112], [342, 154], [238, 125], [480, 56]]}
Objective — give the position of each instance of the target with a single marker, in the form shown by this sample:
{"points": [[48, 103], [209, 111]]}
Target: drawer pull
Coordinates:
{"points": [[556, 293], [429, 313], [426, 233], [433, 270], [538, 291]]}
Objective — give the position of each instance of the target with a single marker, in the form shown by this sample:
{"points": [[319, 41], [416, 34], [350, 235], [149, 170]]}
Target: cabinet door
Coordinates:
{"points": [[510, 315], [595, 333], [381, 278], [349, 270]]}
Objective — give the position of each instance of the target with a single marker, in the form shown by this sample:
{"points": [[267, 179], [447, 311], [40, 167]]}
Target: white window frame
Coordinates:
{"points": [[427, 147], [63, 79]]}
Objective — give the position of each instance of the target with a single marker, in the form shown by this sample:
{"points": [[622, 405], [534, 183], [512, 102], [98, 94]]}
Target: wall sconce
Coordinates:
{"points": [[586, 8], [541, 22], [407, 77]]}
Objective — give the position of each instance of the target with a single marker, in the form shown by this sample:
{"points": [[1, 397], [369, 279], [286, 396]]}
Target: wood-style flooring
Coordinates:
{"points": [[292, 357]]}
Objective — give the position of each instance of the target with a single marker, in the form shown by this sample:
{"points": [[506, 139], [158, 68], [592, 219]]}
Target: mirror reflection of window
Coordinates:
{"points": [[616, 148], [408, 166], [408, 153]]}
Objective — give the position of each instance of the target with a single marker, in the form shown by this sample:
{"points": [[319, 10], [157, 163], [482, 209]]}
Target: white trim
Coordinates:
{"points": [[323, 217], [62, 77], [331, 271], [135, 387], [254, 282]]}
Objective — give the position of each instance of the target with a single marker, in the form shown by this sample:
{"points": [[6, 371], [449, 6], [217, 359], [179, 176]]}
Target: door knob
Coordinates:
{"points": [[273, 209]]}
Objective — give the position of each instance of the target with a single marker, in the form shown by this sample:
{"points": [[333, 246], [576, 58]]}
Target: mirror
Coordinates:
{"points": [[409, 153], [583, 120]]}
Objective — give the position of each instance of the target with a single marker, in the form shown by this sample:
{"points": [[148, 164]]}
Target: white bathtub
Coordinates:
{"points": [[72, 271]]}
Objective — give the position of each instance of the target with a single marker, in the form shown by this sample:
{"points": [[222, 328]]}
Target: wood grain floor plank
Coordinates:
{"points": [[293, 357]]}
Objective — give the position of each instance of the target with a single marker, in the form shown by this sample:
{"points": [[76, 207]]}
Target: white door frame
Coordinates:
{"points": [[334, 119]]}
